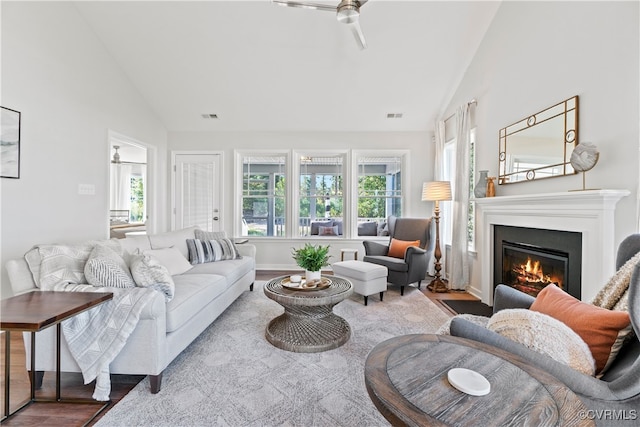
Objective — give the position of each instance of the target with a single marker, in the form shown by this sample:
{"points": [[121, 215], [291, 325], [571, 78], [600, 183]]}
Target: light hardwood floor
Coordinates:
{"points": [[68, 415]]}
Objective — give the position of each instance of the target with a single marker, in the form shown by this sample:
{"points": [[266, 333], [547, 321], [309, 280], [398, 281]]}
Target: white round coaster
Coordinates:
{"points": [[468, 381]]}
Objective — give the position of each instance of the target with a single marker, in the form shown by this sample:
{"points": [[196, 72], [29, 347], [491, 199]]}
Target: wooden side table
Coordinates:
{"points": [[406, 378], [354, 252], [33, 312]]}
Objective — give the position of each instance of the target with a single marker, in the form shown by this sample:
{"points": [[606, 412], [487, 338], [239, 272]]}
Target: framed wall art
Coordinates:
{"points": [[9, 143]]}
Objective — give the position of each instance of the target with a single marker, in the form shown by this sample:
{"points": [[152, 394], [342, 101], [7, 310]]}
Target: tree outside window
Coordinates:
{"points": [[263, 196]]}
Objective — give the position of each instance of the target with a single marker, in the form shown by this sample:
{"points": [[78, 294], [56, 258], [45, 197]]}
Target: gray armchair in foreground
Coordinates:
{"points": [[613, 399], [413, 267]]}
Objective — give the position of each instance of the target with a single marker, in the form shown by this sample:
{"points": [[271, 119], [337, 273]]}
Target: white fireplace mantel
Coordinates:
{"points": [[589, 212]]}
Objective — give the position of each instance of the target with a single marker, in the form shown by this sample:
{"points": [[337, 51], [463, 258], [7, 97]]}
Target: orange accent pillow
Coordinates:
{"points": [[603, 330], [399, 247]]}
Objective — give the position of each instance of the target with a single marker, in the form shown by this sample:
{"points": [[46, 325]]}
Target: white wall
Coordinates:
{"points": [[536, 54], [70, 92], [276, 253]]}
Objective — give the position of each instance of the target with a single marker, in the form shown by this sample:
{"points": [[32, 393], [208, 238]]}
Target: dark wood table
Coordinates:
{"points": [[406, 378], [33, 312], [308, 324]]}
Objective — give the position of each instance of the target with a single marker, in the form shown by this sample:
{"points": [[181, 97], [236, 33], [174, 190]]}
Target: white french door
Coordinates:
{"points": [[197, 184]]}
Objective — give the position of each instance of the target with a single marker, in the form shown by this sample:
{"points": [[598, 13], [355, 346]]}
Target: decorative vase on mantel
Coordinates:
{"points": [[312, 275], [480, 189]]}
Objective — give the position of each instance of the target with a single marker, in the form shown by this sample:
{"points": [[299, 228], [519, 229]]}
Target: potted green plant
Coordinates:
{"points": [[312, 258]]}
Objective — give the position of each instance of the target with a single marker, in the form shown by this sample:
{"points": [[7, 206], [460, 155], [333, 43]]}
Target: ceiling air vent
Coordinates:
{"points": [[209, 116], [394, 115]]}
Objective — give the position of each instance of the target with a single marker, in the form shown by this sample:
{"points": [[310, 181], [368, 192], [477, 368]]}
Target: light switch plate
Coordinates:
{"points": [[86, 189]]}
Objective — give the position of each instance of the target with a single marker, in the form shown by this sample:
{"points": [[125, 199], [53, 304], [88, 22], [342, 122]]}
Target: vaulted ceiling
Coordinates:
{"points": [[262, 67]]}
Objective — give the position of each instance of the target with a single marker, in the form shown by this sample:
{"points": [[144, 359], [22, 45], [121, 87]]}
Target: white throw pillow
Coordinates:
{"points": [[148, 272], [544, 334], [106, 268], [172, 259]]}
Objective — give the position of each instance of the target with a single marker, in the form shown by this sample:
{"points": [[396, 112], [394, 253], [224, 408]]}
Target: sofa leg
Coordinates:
{"points": [[38, 378], [401, 290], [156, 382], [251, 287], [419, 282], [365, 299], [381, 295]]}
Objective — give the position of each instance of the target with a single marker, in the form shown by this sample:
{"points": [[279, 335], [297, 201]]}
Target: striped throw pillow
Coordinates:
{"points": [[201, 251]]}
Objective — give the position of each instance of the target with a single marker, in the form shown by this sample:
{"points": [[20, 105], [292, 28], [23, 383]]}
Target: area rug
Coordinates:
{"points": [[469, 307], [232, 376]]}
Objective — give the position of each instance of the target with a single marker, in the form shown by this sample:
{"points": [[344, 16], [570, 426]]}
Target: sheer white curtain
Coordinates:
{"points": [[459, 262], [438, 175], [120, 186]]}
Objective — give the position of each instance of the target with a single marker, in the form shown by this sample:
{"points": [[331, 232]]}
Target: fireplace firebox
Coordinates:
{"points": [[529, 268], [528, 259]]}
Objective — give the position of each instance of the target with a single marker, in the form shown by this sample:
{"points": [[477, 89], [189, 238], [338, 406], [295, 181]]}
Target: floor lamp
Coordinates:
{"points": [[436, 191]]}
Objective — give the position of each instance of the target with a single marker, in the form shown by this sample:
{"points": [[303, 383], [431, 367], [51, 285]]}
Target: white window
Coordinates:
{"points": [[379, 188], [449, 175], [264, 195], [330, 194]]}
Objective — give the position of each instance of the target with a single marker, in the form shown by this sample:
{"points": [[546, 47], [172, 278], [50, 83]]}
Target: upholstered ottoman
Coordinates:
{"points": [[367, 278]]}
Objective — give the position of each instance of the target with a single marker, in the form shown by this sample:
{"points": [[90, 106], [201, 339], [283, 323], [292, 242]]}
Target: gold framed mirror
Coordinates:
{"points": [[539, 146]]}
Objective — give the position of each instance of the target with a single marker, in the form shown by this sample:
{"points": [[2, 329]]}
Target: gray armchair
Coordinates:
{"points": [[618, 390], [411, 269]]}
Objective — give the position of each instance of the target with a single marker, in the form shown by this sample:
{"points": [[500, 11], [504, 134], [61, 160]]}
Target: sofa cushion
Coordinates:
{"points": [[368, 229], [202, 251], [328, 231], [544, 334], [148, 272], [392, 264], [106, 268], [193, 293], [133, 243], [171, 258], [209, 235], [397, 248], [173, 239], [315, 226], [232, 269], [603, 330]]}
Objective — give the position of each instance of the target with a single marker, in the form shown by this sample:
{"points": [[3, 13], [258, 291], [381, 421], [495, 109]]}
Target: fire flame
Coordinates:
{"points": [[534, 269]]}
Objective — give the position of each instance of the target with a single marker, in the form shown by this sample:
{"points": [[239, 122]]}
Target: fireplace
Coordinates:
{"points": [[528, 259], [590, 214]]}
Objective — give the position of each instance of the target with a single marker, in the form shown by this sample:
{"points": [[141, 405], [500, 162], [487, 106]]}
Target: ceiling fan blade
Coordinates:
{"points": [[357, 32], [305, 5]]}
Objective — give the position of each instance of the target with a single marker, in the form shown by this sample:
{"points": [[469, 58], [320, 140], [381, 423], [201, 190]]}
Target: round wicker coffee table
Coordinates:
{"points": [[308, 324]]}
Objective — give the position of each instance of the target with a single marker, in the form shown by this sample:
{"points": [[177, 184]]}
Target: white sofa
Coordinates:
{"points": [[164, 329]]}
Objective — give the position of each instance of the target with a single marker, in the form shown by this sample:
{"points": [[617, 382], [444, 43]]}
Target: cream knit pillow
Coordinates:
{"points": [[544, 334]]}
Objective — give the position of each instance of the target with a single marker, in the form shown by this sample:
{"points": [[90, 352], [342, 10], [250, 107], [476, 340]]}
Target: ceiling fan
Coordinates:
{"points": [[347, 12]]}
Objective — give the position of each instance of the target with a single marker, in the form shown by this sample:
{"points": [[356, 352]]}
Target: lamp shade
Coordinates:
{"points": [[436, 190]]}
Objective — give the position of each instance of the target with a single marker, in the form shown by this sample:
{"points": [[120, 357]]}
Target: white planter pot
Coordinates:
{"points": [[312, 275]]}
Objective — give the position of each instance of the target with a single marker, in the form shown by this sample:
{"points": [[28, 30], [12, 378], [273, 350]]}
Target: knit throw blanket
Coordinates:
{"points": [[96, 336], [615, 293]]}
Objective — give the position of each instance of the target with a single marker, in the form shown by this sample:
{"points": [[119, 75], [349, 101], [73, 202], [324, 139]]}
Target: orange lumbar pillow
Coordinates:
{"points": [[603, 330], [399, 247]]}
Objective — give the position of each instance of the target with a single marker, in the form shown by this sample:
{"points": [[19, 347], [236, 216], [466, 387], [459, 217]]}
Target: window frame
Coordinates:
{"points": [[449, 175], [239, 156], [292, 193], [404, 165], [297, 156]]}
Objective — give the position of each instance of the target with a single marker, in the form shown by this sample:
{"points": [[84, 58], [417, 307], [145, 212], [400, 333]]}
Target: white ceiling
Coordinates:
{"points": [[262, 67]]}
